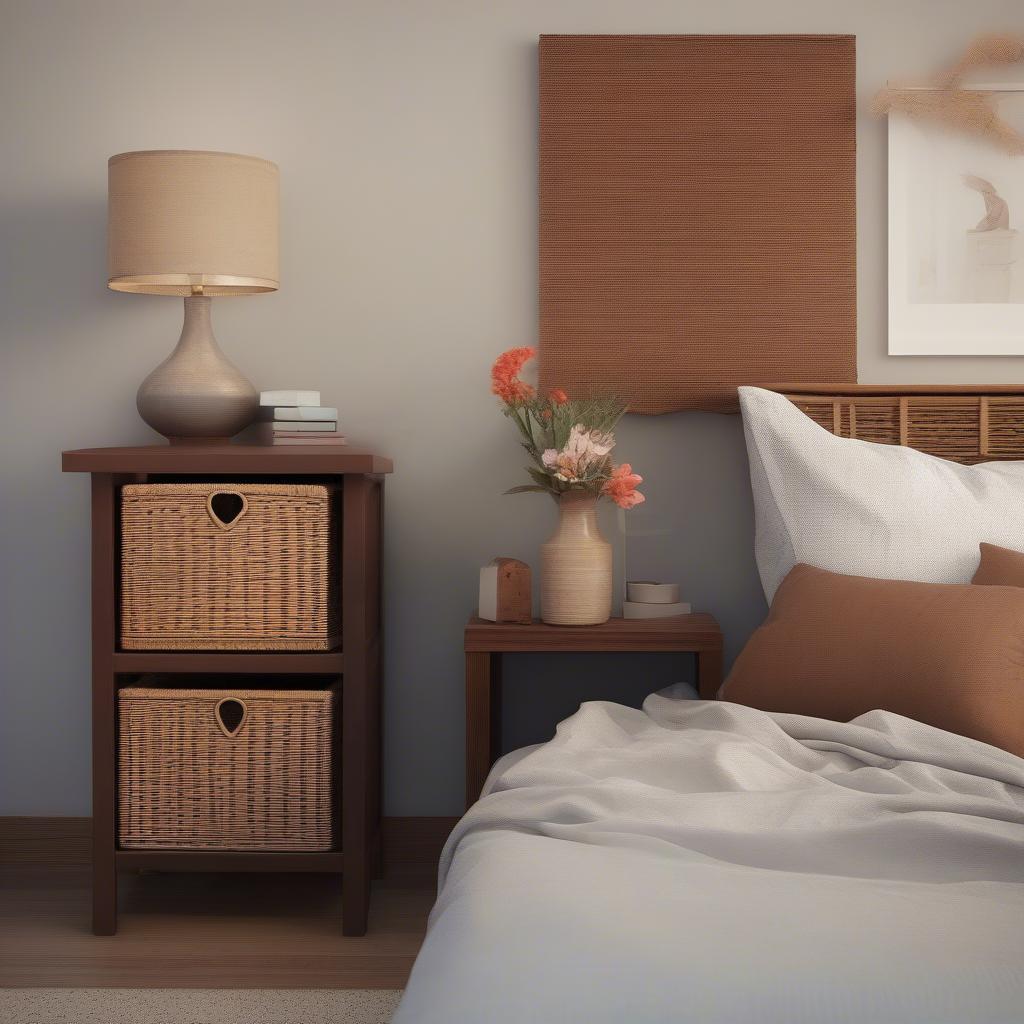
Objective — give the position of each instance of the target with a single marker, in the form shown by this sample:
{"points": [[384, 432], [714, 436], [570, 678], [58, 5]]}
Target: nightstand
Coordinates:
{"points": [[360, 476], [486, 642]]}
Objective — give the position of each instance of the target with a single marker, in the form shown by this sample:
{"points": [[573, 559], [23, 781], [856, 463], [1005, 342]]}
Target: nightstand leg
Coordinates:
{"points": [[496, 706], [483, 720], [104, 710], [709, 673], [360, 713]]}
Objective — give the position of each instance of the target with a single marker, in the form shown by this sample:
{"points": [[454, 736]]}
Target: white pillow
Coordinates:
{"points": [[869, 509]]}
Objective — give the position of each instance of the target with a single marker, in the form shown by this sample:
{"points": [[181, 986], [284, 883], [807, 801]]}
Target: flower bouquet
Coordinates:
{"points": [[569, 442]]}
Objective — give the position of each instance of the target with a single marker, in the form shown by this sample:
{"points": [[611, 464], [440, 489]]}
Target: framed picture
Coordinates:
{"points": [[956, 251]]}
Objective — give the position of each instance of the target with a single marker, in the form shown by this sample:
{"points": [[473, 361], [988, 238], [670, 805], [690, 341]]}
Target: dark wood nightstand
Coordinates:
{"points": [[357, 661], [485, 642]]}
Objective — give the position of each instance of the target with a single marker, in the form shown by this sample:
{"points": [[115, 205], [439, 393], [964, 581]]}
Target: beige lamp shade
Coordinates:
{"points": [[185, 222]]}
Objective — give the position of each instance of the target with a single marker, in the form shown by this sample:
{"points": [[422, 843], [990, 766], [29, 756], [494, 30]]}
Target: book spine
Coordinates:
{"points": [[316, 440], [290, 398], [299, 426], [298, 412]]}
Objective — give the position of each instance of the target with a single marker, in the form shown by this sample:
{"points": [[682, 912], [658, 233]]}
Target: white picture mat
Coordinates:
{"points": [[928, 206]]}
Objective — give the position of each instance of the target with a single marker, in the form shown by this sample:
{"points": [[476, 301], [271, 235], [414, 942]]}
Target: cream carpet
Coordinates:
{"points": [[196, 1006]]}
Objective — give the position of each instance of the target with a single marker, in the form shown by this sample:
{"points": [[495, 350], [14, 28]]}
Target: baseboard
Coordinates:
{"points": [[407, 842], [56, 841]]}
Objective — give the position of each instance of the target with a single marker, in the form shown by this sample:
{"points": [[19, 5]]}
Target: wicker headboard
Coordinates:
{"points": [[962, 423]]}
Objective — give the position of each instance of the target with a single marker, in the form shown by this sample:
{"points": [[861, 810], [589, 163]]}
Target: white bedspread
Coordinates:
{"points": [[702, 861]]}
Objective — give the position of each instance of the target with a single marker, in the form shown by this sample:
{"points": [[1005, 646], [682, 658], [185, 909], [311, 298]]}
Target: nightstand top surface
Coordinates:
{"points": [[329, 460], [687, 633]]}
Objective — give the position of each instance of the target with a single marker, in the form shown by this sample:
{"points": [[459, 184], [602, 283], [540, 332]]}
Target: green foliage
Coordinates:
{"points": [[544, 424], [527, 488]]}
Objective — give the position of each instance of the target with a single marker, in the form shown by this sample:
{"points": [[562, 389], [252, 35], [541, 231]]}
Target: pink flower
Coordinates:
{"points": [[550, 458], [584, 450], [621, 487], [505, 382]]}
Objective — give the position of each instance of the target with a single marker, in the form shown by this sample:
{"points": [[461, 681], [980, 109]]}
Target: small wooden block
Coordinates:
{"points": [[506, 591]]}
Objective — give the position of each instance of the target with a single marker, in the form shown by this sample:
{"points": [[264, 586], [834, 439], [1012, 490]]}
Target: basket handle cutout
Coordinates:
{"points": [[230, 714], [226, 508]]}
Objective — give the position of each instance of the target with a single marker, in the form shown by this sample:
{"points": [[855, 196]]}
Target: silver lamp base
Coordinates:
{"points": [[196, 395]]}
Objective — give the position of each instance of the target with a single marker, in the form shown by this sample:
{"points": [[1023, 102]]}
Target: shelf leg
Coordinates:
{"points": [[360, 722], [483, 719], [104, 712], [709, 673], [496, 706]]}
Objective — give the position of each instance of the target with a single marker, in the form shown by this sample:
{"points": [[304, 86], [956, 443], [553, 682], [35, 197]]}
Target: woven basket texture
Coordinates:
{"points": [[961, 428], [266, 581], [183, 783]]}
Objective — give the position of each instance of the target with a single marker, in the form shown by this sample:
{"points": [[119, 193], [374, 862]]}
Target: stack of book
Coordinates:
{"points": [[294, 417]]}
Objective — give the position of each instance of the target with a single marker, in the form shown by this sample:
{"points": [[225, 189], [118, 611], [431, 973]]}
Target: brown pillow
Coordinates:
{"points": [[950, 655], [1000, 567]]}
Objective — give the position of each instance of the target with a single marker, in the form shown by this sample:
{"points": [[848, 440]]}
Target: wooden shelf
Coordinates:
{"points": [[356, 753], [485, 643], [690, 633], [228, 860], [213, 662]]}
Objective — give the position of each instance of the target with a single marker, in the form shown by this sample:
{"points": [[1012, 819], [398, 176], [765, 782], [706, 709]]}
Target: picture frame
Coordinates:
{"points": [[956, 248]]}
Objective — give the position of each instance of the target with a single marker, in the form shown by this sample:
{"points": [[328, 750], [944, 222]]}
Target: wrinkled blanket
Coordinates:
{"points": [[703, 861]]}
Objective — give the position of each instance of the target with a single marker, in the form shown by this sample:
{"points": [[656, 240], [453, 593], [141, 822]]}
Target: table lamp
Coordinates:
{"points": [[195, 224]]}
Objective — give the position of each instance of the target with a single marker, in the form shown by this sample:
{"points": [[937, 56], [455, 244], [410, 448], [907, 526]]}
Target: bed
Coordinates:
{"points": [[702, 860]]}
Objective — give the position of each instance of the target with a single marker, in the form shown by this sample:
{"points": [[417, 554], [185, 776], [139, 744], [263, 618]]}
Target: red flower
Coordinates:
{"points": [[558, 396], [505, 382], [621, 487]]}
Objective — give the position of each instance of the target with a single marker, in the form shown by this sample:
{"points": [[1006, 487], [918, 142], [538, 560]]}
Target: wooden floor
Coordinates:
{"points": [[204, 931]]}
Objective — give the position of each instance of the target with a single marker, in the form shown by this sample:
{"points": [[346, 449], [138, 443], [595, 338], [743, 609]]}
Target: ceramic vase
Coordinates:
{"points": [[576, 566]]}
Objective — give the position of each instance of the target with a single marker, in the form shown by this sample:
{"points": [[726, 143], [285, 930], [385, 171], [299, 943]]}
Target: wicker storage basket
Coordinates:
{"points": [[218, 566], [225, 769]]}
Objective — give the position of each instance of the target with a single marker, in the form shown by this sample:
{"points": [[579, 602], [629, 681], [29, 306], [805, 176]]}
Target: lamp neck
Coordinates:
{"points": [[197, 311], [197, 330]]}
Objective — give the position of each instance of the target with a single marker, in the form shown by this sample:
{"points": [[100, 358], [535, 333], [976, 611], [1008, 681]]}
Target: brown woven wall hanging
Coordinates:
{"points": [[697, 215]]}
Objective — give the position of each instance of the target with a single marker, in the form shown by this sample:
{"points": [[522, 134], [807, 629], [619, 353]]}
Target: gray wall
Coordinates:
{"points": [[405, 133]]}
